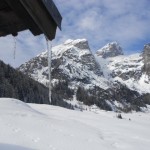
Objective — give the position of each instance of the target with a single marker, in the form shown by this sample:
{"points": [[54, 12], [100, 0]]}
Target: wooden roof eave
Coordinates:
{"points": [[39, 16]]}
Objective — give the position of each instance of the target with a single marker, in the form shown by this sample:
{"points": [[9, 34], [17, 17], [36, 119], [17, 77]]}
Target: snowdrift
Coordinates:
{"points": [[43, 127]]}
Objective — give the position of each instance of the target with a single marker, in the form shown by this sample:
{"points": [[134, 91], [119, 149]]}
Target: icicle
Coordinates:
{"points": [[15, 46], [49, 48]]}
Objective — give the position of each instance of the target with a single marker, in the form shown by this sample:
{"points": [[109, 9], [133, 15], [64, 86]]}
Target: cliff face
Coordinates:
{"points": [[146, 58], [110, 50], [132, 70], [72, 61]]}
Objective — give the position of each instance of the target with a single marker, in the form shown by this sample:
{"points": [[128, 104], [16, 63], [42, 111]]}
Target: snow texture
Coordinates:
{"points": [[127, 70], [44, 127]]}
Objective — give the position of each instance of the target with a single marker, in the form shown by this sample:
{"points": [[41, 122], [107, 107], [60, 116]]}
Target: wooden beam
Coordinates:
{"points": [[21, 12], [44, 21], [3, 4], [53, 11], [10, 23], [39, 16]]}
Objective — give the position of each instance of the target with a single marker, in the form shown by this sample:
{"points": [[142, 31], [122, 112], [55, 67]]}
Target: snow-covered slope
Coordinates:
{"points": [[128, 70], [44, 127]]}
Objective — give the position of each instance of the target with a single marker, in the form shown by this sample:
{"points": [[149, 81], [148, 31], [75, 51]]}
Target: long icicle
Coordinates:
{"points": [[15, 46], [49, 48]]}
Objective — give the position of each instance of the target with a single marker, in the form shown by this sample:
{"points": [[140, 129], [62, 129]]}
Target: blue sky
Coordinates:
{"points": [[99, 21]]}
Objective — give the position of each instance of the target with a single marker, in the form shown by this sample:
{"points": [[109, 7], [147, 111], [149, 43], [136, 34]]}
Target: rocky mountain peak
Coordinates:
{"points": [[71, 48], [79, 43], [72, 61], [146, 57], [110, 50]]}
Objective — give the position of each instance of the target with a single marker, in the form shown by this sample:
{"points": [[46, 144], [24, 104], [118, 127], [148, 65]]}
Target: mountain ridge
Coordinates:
{"points": [[74, 62]]}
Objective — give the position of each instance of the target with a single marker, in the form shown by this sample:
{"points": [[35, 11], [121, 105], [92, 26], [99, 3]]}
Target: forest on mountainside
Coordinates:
{"points": [[15, 84]]}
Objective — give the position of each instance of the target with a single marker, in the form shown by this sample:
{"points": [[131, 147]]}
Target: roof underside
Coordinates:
{"points": [[39, 16]]}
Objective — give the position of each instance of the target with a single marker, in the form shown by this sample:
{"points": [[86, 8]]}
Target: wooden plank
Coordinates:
{"points": [[9, 23], [36, 15], [45, 22], [3, 4], [53, 11], [24, 16]]}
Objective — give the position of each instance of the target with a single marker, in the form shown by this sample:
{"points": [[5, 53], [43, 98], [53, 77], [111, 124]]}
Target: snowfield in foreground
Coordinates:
{"points": [[43, 127]]}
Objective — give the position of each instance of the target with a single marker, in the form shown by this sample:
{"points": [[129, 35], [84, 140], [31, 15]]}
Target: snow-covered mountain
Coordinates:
{"points": [[110, 50], [132, 71], [113, 81], [146, 57], [72, 61]]}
